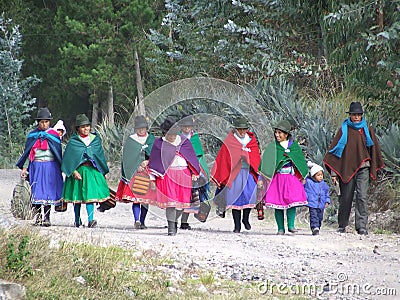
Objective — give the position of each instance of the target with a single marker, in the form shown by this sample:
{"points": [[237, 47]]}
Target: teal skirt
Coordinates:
{"points": [[91, 189]]}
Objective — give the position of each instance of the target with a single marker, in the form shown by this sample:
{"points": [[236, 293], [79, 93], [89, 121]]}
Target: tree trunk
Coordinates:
{"points": [[110, 108], [380, 15], [95, 112], [139, 86]]}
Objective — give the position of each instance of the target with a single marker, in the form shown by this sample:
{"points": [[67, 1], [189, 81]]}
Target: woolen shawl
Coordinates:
{"points": [[77, 153], [229, 159], [163, 153], [282, 156]]}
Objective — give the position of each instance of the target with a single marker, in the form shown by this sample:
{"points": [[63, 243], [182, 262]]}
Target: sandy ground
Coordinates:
{"points": [[339, 266]]}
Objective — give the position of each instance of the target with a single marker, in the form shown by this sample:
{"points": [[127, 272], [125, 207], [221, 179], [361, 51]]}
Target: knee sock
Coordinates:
{"points": [[136, 211], [291, 215], [279, 218], [90, 211], [143, 212], [77, 211], [47, 209]]}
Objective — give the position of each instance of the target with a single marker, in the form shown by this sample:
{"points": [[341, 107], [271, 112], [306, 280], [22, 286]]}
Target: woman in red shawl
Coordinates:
{"points": [[235, 172]]}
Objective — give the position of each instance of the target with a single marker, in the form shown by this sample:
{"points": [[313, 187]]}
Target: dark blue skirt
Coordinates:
{"points": [[46, 182]]}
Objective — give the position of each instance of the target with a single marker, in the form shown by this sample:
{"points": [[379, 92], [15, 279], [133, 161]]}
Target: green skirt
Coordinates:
{"points": [[92, 188]]}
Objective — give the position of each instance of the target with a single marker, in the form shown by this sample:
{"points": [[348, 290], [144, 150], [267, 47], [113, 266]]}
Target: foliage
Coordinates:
{"points": [[62, 270], [389, 140], [362, 41], [18, 258], [16, 103]]}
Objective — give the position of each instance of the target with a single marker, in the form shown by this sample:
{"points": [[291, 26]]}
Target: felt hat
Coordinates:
{"points": [[186, 120], [314, 168], [44, 114], [81, 119], [169, 126], [241, 122], [284, 126], [140, 122], [355, 108], [60, 126]]}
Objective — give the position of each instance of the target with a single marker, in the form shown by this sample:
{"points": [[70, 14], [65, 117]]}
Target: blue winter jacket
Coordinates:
{"points": [[317, 193]]}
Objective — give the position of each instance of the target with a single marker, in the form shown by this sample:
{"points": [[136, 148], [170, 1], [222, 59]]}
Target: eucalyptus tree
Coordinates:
{"points": [[16, 102]]}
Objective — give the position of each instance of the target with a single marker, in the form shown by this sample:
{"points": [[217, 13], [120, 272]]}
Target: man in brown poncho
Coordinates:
{"points": [[352, 158]]}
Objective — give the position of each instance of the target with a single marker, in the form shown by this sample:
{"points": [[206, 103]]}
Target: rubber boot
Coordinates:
{"points": [[47, 210], [236, 214], [245, 220], [170, 213], [184, 221]]}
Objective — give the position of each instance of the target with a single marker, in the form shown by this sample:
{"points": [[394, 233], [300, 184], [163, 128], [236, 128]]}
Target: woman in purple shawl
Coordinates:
{"points": [[173, 164]]}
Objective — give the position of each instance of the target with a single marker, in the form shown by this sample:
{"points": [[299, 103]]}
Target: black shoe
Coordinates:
{"points": [[280, 232], [236, 230], [293, 230], [362, 231], [185, 226], [315, 231], [92, 224], [142, 226], [247, 225], [341, 230], [46, 223]]}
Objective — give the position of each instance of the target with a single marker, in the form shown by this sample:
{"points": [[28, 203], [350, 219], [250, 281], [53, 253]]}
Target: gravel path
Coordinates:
{"points": [[345, 266]]}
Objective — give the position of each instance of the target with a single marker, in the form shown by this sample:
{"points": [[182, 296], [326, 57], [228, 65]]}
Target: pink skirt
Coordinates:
{"points": [[285, 191], [175, 188]]}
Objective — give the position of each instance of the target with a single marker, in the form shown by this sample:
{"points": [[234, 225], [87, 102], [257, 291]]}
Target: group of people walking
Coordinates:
{"points": [[171, 172]]}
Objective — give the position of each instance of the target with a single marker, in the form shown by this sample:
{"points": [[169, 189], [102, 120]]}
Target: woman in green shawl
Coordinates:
{"points": [[85, 166], [286, 174]]}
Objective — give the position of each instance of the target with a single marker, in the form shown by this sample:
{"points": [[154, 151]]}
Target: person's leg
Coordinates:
{"points": [[361, 209], [313, 218], [184, 221], [136, 211], [291, 216], [37, 208], [47, 210], [320, 216], [280, 220], [90, 212], [236, 214], [170, 213], [178, 214], [345, 201], [245, 220], [77, 211], [136, 214], [143, 213]]}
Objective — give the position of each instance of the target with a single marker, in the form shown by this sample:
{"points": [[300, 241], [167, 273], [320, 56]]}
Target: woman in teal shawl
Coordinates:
{"points": [[284, 166], [135, 158], [85, 166]]}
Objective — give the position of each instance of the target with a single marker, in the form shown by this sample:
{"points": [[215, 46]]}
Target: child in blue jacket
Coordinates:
{"points": [[317, 196]]}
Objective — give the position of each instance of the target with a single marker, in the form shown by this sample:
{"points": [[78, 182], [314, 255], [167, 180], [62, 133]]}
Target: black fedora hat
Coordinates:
{"points": [[283, 125], [169, 125], [355, 108], [44, 114], [240, 122]]}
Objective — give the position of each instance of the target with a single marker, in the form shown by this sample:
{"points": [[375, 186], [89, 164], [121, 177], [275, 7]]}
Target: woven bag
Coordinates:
{"points": [[141, 184]]}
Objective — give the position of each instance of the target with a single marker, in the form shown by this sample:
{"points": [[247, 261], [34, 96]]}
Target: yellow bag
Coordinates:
{"points": [[141, 184]]}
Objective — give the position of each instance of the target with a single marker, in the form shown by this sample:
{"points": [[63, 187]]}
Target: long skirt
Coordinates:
{"points": [[285, 191], [126, 195], [91, 189], [243, 192], [175, 188], [46, 182]]}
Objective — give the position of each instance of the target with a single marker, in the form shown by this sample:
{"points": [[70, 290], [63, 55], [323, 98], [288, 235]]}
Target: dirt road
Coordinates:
{"points": [[335, 265]]}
